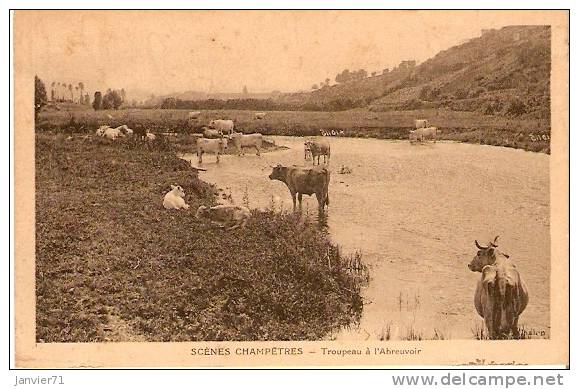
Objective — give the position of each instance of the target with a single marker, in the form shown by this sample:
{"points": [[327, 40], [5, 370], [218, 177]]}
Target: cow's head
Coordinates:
{"points": [[486, 255], [201, 212], [178, 190], [212, 124], [278, 172]]}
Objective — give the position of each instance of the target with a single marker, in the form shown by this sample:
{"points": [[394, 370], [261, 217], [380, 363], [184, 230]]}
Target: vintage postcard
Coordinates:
{"points": [[291, 188]]}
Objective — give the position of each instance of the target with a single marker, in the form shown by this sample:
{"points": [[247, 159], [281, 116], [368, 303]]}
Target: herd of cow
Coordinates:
{"points": [[501, 294]]}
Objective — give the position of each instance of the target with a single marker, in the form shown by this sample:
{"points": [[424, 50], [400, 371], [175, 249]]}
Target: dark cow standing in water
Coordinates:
{"points": [[501, 294], [306, 181]]}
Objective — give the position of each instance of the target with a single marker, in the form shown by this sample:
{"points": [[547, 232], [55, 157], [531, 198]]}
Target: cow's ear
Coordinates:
{"points": [[172, 186]]}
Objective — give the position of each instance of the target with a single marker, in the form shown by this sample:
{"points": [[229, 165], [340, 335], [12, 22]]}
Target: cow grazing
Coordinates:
{"points": [[259, 115], [425, 133], [212, 134], [194, 115], [224, 126], [215, 146], [316, 149], [306, 181], [501, 294], [174, 198], [241, 141], [225, 216]]}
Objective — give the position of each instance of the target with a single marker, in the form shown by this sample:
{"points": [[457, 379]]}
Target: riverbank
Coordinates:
{"points": [[467, 127], [113, 265]]}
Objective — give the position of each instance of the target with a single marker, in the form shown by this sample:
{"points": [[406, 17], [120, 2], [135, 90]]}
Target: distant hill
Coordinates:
{"points": [[505, 71], [196, 96]]}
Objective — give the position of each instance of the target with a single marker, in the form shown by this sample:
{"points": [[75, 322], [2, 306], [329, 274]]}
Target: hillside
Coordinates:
{"points": [[503, 72]]}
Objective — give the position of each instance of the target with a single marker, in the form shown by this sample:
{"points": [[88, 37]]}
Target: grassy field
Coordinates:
{"points": [[113, 265], [471, 127]]}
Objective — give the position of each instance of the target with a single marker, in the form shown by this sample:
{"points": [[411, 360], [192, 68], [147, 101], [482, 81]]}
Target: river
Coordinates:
{"points": [[414, 211]]}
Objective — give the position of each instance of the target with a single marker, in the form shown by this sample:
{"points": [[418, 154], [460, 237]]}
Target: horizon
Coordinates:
{"points": [[263, 50]]}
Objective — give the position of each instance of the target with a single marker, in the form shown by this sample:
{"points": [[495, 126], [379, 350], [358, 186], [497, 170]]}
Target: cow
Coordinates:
{"points": [[306, 181], [101, 130], [125, 130], [174, 198], [215, 146], [259, 115], [250, 140], [317, 148], [150, 136], [212, 134], [112, 133], [225, 216], [422, 134], [193, 115], [224, 126], [501, 295], [421, 123]]}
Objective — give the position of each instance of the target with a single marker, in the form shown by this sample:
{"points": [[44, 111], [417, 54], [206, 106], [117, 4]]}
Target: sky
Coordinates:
{"points": [[161, 52]]}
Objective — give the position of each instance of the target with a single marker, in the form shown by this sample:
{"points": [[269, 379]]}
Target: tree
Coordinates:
{"points": [[81, 88], [76, 100], [123, 96], [70, 92], [97, 102], [343, 77], [327, 82], [373, 74], [112, 99], [40, 99], [86, 99], [52, 92], [385, 71], [245, 90], [315, 86]]}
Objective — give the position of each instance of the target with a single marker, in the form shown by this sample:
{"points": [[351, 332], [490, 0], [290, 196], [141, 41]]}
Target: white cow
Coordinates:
{"points": [[426, 133], [112, 133], [225, 216], [215, 146], [421, 123], [250, 140], [225, 126], [150, 136], [259, 115], [174, 198], [101, 130], [194, 115]]}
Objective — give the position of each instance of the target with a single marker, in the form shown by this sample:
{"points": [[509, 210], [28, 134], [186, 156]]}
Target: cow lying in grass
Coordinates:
{"points": [[174, 198], [229, 217]]}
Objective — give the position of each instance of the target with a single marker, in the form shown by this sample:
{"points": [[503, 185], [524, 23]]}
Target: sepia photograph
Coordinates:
{"points": [[291, 188]]}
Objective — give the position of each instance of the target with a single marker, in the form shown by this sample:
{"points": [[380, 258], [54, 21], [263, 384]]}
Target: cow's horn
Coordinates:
{"points": [[479, 246], [494, 242]]}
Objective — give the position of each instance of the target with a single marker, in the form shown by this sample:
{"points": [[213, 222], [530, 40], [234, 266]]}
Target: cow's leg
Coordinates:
{"points": [[321, 202], [217, 157], [258, 151], [300, 201], [200, 154], [293, 194]]}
